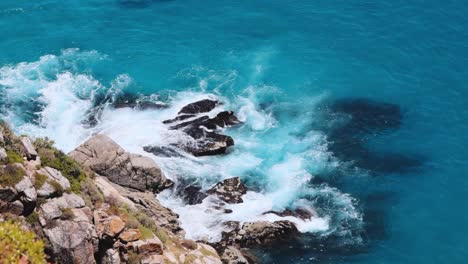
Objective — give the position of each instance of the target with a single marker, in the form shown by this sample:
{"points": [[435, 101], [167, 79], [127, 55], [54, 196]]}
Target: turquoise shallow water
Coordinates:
{"points": [[285, 68]]}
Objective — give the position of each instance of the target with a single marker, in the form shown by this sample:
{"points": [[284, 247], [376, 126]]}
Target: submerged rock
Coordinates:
{"points": [[102, 155], [201, 106], [229, 190]]}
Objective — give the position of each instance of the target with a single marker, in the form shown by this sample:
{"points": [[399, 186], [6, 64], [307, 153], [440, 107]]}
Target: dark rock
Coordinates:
{"points": [[300, 213], [229, 190], [178, 118], [202, 106], [193, 195], [163, 151]]}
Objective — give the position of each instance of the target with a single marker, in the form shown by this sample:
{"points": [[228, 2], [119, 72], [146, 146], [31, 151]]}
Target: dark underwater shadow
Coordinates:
{"points": [[139, 3], [358, 120]]}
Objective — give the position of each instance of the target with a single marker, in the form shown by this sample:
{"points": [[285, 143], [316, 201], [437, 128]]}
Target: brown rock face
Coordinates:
{"points": [[229, 190], [265, 233], [102, 155], [130, 235], [114, 227]]}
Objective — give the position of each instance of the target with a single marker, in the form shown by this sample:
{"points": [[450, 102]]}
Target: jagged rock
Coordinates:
{"points": [[264, 233], [71, 241], [3, 154], [52, 209], [111, 257], [232, 255], [193, 195], [301, 213], [8, 193], [152, 246], [29, 149], [144, 201], [178, 118], [102, 155], [130, 235], [201, 106], [15, 207], [114, 226], [53, 176], [27, 194], [229, 190]]}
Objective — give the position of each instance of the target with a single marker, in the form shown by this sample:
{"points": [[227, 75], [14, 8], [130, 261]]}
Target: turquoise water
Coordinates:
{"points": [[286, 69]]}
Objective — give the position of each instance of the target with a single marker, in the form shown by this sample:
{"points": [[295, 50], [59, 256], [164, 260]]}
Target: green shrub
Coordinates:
{"points": [[16, 244], [57, 187], [14, 157], [39, 180], [162, 235], [10, 175], [134, 258], [67, 214], [145, 232], [58, 160], [33, 218]]}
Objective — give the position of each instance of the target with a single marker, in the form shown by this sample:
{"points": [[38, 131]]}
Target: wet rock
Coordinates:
{"points": [[229, 190], [102, 155], [178, 118], [201, 106], [162, 151], [193, 195], [29, 149], [301, 213], [265, 233], [232, 255]]}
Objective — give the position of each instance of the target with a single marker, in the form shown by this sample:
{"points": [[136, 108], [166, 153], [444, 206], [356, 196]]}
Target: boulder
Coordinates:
{"points": [[53, 208], [72, 241], [102, 155], [130, 235], [229, 190], [232, 255], [201, 106], [3, 154], [264, 233], [193, 195], [301, 213], [113, 226], [28, 147], [55, 183]]}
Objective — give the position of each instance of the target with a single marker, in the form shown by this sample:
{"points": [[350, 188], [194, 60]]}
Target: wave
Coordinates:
{"points": [[276, 152]]}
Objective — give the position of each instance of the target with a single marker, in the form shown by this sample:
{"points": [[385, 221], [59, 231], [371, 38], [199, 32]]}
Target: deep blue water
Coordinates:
{"points": [[301, 63]]}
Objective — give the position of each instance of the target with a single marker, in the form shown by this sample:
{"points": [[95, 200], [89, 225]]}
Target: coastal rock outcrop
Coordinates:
{"points": [[203, 130], [102, 155], [229, 190]]}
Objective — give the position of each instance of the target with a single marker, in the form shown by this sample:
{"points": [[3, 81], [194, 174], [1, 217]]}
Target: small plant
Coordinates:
{"points": [[134, 258], [39, 180], [162, 235], [33, 218], [14, 157], [67, 214], [57, 187], [10, 175], [19, 246], [145, 232]]}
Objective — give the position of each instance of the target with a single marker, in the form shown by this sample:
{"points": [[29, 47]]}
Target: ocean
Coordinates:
{"points": [[356, 109]]}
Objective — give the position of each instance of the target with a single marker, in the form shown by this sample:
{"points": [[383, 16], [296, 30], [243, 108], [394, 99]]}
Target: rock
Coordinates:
{"points": [[102, 155], [153, 259], [111, 257], [147, 247], [114, 226], [55, 175], [178, 118], [3, 154], [265, 233], [29, 149], [2, 138], [72, 242], [232, 255], [52, 209], [15, 207], [202, 106], [8, 193], [27, 194], [192, 195], [301, 213], [229, 190], [130, 235]]}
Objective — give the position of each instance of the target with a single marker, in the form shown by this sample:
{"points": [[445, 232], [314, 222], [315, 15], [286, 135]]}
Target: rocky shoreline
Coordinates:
{"points": [[97, 204]]}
